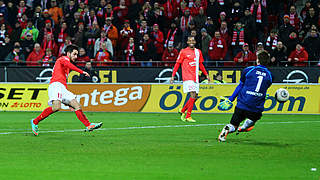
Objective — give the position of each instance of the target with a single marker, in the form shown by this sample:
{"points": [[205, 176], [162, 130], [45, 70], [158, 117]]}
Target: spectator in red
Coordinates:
{"points": [[49, 59], [170, 55], [120, 13], [223, 17], [237, 38], [103, 57], [143, 29], [272, 41], [125, 34], [195, 9], [35, 56], [67, 42], [217, 49], [294, 18], [170, 9], [158, 40], [62, 33], [131, 52], [174, 36], [245, 57], [185, 20], [47, 29], [225, 33], [82, 58], [147, 51], [16, 57], [48, 42], [91, 35], [298, 57]]}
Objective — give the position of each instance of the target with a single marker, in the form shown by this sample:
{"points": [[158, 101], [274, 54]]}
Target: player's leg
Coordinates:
{"points": [[192, 99], [82, 117], [56, 105], [252, 118], [237, 117]]}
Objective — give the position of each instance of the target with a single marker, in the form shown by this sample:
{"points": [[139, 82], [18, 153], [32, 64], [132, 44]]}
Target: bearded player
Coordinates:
{"points": [[58, 92], [191, 61]]}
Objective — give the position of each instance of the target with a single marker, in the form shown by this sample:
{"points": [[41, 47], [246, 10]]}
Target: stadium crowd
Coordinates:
{"points": [[141, 33]]}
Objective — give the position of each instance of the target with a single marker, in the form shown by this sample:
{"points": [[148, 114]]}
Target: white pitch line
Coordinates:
{"points": [[153, 127]]}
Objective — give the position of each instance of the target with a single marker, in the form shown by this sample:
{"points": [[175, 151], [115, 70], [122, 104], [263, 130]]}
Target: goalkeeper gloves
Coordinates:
{"points": [[267, 96], [225, 104]]}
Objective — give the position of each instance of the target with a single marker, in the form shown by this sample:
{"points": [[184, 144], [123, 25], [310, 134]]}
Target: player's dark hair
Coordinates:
{"points": [[264, 58], [70, 48]]}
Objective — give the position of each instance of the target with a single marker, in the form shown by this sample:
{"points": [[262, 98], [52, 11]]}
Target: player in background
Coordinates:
{"points": [[191, 61], [251, 93], [58, 92]]}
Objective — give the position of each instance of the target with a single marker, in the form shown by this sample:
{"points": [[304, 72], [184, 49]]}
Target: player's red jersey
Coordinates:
{"points": [[190, 60], [61, 70]]}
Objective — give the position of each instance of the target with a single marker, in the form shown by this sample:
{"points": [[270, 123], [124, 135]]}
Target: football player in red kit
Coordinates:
{"points": [[58, 92], [191, 60]]}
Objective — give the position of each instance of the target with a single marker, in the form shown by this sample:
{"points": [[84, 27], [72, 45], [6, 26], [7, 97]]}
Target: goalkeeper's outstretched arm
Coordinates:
{"points": [[236, 91]]}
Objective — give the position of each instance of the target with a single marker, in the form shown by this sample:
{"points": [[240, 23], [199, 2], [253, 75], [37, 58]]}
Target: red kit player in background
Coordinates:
{"points": [[58, 92], [191, 61]]}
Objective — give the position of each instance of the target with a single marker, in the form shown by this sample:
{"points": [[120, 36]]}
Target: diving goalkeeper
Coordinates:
{"points": [[251, 93]]}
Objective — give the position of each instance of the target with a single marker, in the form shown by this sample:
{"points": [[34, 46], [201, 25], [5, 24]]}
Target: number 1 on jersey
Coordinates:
{"points": [[260, 78]]}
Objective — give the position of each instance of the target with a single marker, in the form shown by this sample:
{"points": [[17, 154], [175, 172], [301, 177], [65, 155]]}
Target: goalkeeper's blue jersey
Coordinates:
{"points": [[255, 81]]}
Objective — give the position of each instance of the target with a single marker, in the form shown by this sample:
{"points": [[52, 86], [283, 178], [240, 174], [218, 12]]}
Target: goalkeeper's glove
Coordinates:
{"points": [[267, 96], [225, 104]]}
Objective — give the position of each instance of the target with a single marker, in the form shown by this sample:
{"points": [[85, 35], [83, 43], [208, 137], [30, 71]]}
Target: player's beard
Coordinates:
{"points": [[191, 45]]}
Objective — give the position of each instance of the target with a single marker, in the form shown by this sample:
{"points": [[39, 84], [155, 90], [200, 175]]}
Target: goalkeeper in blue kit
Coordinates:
{"points": [[251, 95]]}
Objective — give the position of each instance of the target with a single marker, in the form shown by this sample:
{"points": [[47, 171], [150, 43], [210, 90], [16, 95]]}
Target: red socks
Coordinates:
{"points": [[82, 117], [45, 113], [185, 107], [190, 106]]}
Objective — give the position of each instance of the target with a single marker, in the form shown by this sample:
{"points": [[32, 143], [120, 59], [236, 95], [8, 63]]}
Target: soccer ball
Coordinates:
{"points": [[282, 95]]}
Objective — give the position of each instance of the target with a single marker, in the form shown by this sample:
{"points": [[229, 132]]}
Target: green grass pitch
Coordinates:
{"points": [[158, 146]]}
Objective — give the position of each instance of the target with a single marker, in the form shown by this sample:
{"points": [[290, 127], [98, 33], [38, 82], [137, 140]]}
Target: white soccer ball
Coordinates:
{"points": [[282, 95]]}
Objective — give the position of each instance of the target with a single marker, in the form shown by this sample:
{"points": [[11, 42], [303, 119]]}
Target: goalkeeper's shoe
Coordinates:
{"points": [[93, 126], [35, 128], [241, 129], [223, 135], [189, 119]]}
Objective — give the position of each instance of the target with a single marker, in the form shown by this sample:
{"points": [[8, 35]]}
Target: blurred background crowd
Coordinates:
{"points": [[151, 33]]}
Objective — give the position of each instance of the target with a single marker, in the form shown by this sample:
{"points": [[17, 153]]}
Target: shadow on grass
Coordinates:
{"points": [[258, 143]]}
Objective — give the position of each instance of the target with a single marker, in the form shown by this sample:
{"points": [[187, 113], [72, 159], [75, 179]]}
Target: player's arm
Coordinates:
{"points": [[69, 65], [241, 84]]}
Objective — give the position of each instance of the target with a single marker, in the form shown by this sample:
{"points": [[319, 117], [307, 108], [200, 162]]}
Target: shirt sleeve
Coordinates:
{"points": [[69, 65], [240, 86], [180, 57]]}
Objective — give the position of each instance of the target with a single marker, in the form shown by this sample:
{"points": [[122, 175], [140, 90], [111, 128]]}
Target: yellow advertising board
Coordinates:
{"points": [[23, 97], [304, 99], [169, 98]]}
